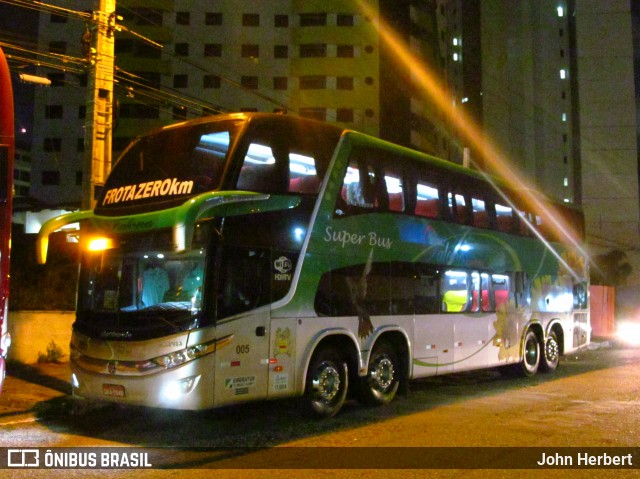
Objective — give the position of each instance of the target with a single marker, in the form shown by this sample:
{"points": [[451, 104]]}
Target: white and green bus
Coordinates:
{"points": [[255, 256]]}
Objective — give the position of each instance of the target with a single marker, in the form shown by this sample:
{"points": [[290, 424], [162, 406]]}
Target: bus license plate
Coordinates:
{"points": [[113, 390]]}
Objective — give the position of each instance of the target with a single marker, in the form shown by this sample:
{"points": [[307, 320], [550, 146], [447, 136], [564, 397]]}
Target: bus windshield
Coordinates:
{"points": [[142, 285], [172, 164]]}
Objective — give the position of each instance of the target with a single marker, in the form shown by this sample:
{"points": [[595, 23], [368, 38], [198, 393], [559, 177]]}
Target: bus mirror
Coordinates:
{"points": [[42, 245], [54, 224]]}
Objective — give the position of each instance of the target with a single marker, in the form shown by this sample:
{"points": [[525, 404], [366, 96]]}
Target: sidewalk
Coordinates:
{"points": [[28, 385]]}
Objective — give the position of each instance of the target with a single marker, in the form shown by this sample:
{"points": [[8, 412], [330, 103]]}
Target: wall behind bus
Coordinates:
{"points": [[32, 333]]}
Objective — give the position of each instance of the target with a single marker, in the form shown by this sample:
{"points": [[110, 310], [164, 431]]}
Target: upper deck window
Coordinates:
{"points": [[172, 164]]}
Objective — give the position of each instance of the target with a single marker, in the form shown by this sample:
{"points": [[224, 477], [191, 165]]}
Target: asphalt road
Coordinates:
{"points": [[592, 400]]}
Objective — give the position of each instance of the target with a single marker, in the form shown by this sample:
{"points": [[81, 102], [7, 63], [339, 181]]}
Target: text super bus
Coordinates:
{"points": [[256, 256]]}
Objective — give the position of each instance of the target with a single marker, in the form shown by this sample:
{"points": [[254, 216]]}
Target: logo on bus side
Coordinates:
{"points": [[283, 265], [149, 189], [344, 238]]}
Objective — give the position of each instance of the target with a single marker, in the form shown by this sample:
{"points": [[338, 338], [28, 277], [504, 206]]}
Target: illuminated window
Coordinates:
{"points": [[563, 73]]}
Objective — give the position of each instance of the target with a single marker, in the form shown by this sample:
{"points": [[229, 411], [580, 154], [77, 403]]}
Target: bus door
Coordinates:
{"points": [[433, 331], [471, 329], [242, 330]]}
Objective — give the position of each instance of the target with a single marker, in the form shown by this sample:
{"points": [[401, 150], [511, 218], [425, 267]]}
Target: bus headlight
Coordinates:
{"points": [[178, 388], [183, 356]]}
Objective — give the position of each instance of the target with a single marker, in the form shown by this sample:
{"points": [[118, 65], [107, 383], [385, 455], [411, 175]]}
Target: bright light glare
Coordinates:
{"points": [[100, 244], [629, 333], [495, 161]]}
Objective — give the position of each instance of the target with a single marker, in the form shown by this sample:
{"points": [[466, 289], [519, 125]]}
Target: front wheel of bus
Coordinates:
{"points": [[381, 383], [551, 355], [327, 382]]}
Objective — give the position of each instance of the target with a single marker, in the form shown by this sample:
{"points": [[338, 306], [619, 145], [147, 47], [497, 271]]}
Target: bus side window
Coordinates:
{"points": [[455, 291], [245, 280], [395, 190], [428, 200], [426, 292], [505, 220], [458, 209], [479, 211], [500, 289]]}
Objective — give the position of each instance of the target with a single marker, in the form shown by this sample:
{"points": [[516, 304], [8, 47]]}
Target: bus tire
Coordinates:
{"points": [[531, 354], [530, 362], [550, 357], [327, 382], [381, 383]]}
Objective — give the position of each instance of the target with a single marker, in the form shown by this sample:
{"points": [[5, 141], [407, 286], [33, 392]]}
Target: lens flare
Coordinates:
{"points": [[494, 161]]}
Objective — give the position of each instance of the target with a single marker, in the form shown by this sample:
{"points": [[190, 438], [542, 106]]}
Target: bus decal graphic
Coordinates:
{"points": [[282, 343], [149, 189], [344, 238]]}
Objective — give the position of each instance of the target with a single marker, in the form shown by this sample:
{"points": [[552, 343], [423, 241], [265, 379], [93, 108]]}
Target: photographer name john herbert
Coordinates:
{"points": [[585, 459]]}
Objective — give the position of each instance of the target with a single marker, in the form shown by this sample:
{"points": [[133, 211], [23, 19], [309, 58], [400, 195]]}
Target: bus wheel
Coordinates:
{"points": [[327, 382], [551, 355], [531, 358], [381, 383]]}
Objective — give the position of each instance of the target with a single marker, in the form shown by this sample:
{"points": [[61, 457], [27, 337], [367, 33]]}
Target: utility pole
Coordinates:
{"points": [[99, 115]]}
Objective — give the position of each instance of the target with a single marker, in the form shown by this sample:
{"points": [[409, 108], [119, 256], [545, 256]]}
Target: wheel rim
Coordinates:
{"points": [[552, 350], [382, 373], [531, 352], [326, 383]]}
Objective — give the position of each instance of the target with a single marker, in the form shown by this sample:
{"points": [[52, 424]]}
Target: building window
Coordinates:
{"points": [[145, 50], [280, 83], [58, 47], [58, 18], [148, 17], [314, 113], [281, 51], [249, 82], [179, 113], [183, 18], [313, 19], [123, 46], [281, 21], [53, 112], [313, 82], [213, 50], [80, 145], [250, 20], [57, 79], [344, 83], [180, 81], [50, 177], [250, 51], [79, 178], [345, 51], [52, 144], [211, 81], [138, 110], [82, 112], [313, 50], [213, 18], [344, 115], [182, 49], [344, 20]]}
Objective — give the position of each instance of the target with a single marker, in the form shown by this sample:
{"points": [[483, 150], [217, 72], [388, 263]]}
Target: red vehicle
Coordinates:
{"points": [[6, 199]]}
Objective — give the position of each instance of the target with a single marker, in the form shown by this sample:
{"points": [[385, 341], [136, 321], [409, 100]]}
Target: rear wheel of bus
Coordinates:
{"points": [[383, 378], [327, 382], [551, 353]]}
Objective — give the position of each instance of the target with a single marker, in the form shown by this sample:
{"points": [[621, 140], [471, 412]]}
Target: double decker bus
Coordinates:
{"points": [[7, 139], [255, 256]]}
